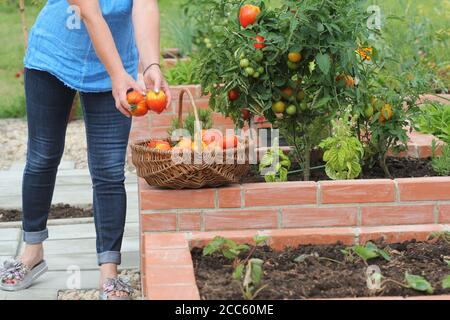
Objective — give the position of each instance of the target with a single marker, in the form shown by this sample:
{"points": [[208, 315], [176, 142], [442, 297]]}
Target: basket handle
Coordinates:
{"points": [[194, 107]]}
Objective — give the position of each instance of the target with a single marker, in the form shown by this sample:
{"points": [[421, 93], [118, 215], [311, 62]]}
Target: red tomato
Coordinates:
{"points": [[233, 95], [153, 143], [211, 135], [245, 114], [134, 97], [156, 102], [259, 44], [140, 109], [248, 14], [230, 142]]}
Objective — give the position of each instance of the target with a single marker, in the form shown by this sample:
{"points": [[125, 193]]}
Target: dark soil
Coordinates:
{"points": [[316, 277], [59, 211], [399, 168]]}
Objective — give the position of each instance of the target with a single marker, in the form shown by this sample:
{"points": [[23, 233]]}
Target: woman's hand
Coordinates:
{"points": [[154, 80], [120, 86]]}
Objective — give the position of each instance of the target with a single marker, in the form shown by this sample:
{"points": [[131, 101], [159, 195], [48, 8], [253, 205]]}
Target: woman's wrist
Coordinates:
{"points": [[149, 66]]}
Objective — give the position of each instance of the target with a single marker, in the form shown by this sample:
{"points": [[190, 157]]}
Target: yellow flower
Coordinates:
{"points": [[365, 53]]}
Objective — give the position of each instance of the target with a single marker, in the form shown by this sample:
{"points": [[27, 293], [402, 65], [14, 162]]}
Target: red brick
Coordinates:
{"points": [[444, 213], [278, 194], [357, 191], [220, 119], [193, 88], [158, 222], [174, 275], [200, 103], [174, 292], [167, 257], [416, 189], [279, 239], [161, 241], [162, 120], [241, 219], [230, 197], [392, 234], [319, 217], [157, 199], [397, 214], [160, 132], [189, 221]]}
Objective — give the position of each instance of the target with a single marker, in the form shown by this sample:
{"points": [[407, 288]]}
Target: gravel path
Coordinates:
{"points": [[13, 141], [135, 279]]}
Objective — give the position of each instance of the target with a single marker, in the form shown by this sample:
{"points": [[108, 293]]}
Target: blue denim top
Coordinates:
{"points": [[60, 44]]}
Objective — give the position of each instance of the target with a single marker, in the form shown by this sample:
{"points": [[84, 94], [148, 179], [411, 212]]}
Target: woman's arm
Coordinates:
{"points": [[146, 28], [102, 39]]}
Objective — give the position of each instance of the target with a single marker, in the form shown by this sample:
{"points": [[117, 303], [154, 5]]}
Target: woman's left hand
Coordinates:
{"points": [[154, 80]]}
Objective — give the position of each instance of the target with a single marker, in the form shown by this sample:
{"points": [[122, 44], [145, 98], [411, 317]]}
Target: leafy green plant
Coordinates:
{"points": [[441, 163], [204, 115], [367, 252], [183, 72], [251, 285], [343, 151], [228, 248], [418, 283], [446, 282], [444, 236], [434, 118], [276, 159]]}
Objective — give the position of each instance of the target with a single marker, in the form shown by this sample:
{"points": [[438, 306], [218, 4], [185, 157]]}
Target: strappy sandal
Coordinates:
{"points": [[14, 275], [111, 285]]}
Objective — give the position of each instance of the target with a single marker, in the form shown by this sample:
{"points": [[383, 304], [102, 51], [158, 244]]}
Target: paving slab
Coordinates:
{"points": [[8, 248], [73, 279], [85, 230], [30, 294], [88, 261], [75, 246], [11, 234]]}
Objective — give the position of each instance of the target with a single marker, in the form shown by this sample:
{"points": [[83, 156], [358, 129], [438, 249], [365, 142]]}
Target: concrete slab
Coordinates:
{"points": [[72, 279], [8, 248], [75, 246], [30, 294], [88, 261], [86, 230], [11, 234]]}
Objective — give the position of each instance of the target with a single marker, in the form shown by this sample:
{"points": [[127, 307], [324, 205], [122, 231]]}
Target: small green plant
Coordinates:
{"points": [[251, 285], [418, 283], [343, 151], [183, 72], [446, 282], [434, 118], [275, 159], [444, 236], [441, 164], [204, 116], [367, 252], [228, 248]]}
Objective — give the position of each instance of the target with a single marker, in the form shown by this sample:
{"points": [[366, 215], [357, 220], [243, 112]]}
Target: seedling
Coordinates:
{"points": [[367, 252], [228, 248], [418, 283], [444, 236], [250, 286], [446, 282]]}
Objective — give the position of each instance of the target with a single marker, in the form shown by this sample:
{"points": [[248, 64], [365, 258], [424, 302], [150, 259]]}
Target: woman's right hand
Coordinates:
{"points": [[121, 84]]}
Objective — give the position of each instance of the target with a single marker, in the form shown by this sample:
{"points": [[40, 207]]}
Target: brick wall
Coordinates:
{"points": [[297, 205]]}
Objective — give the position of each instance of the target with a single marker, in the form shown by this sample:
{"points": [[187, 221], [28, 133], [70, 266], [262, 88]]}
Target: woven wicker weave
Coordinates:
{"points": [[159, 169]]}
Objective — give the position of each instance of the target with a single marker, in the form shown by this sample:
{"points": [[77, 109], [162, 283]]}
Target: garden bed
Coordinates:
{"points": [[324, 271], [59, 211]]}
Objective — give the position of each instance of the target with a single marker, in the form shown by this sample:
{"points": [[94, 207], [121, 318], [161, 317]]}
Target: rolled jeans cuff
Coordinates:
{"points": [[109, 257], [35, 237]]}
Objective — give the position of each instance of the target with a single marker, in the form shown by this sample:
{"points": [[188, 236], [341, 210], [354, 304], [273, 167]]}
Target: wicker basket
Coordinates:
{"points": [[158, 167]]}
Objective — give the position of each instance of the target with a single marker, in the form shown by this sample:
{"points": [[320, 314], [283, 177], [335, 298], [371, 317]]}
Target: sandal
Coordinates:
{"points": [[111, 285], [14, 275]]}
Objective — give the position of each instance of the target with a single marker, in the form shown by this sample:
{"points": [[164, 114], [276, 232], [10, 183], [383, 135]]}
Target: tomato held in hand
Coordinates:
{"points": [[140, 109], [134, 97], [156, 102], [248, 14]]}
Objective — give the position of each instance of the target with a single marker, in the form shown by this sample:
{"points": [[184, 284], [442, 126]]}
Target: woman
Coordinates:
{"points": [[92, 47]]}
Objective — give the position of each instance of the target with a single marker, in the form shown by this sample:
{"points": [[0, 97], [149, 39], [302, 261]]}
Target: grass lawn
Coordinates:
{"points": [[426, 28]]}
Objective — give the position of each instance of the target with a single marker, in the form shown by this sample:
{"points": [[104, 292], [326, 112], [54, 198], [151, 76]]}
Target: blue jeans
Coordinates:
{"points": [[49, 103]]}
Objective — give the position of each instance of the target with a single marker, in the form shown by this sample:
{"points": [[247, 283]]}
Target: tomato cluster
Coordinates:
{"points": [[141, 104]]}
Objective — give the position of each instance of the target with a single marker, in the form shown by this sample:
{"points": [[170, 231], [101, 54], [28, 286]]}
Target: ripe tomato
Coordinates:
{"points": [[134, 98], [230, 142], [211, 135], [294, 56], [248, 14], [233, 94], [345, 80], [153, 143], [156, 102], [140, 109], [163, 147], [288, 91], [278, 107], [259, 44], [245, 114]]}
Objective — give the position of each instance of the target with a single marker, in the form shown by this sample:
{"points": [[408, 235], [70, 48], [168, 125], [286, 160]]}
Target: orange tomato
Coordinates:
{"points": [[156, 102], [248, 14], [230, 142], [288, 91], [140, 109], [134, 98]]}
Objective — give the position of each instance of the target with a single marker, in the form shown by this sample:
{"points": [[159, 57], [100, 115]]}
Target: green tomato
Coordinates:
{"points": [[292, 65], [244, 63], [250, 71], [256, 74], [206, 40], [368, 112], [301, 95], [304, 106], [258, 56], [209, 45], [291, 110], [260, 70]]}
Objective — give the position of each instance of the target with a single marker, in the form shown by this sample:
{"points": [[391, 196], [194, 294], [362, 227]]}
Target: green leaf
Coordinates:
{"points": [[258, 239], [365, 253], [237, 273], [213, 246], [384, 254], [446, 282], [256, 267], [323, 61], [418, 283]]}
